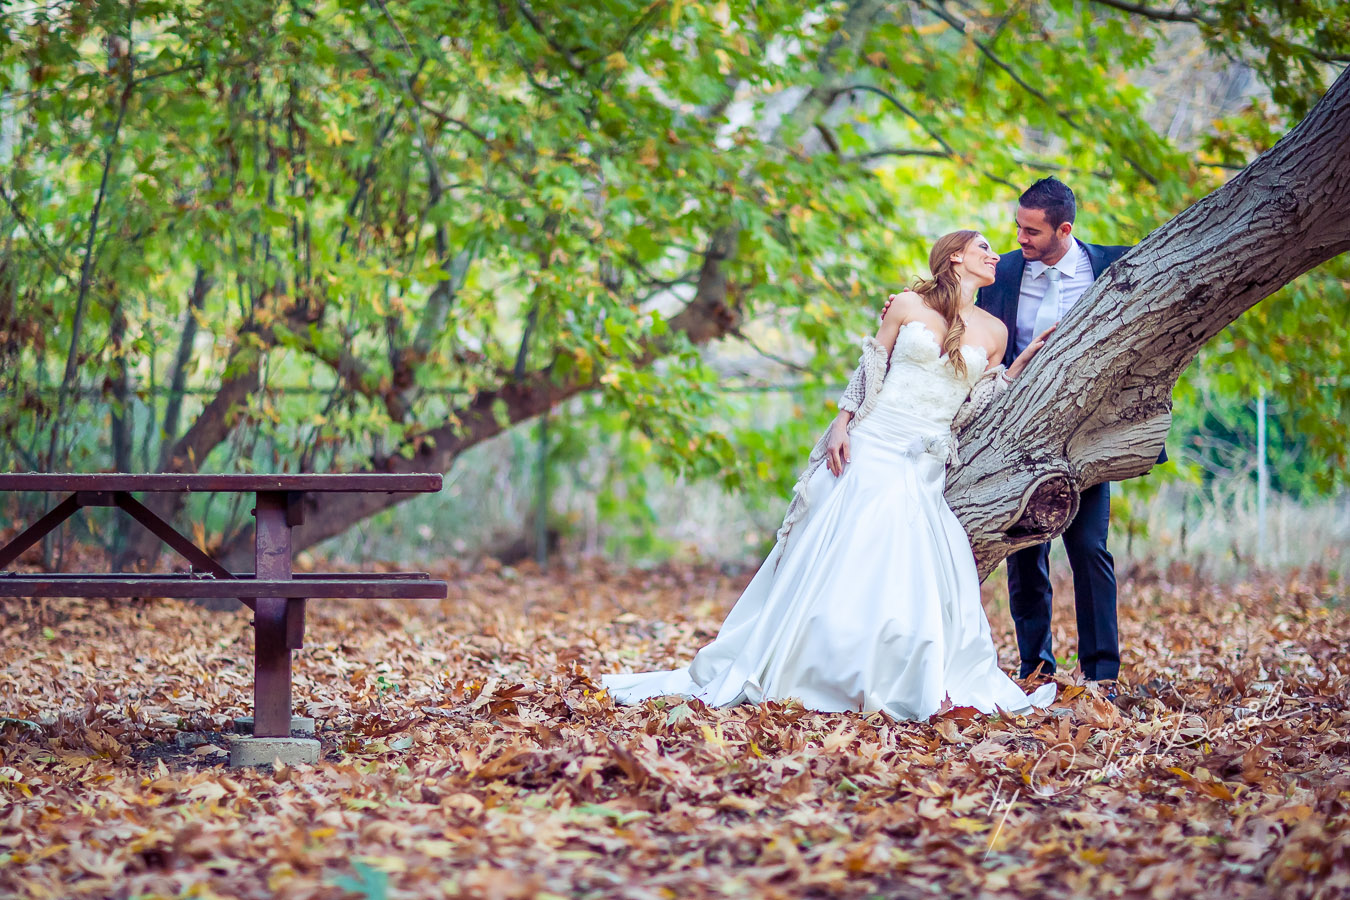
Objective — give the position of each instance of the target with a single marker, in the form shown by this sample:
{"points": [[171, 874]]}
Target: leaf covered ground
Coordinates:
{"points": [[468, 752]]}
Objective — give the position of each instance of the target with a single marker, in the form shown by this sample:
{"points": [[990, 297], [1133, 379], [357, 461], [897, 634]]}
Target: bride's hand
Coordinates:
{"points": [[837, 447], [1025, 356]]}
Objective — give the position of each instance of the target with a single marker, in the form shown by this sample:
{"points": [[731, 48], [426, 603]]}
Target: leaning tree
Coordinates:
{"points": [[1095, 406]]}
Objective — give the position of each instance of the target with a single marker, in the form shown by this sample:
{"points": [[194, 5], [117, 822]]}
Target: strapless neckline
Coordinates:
{"points": [[932, 335]]}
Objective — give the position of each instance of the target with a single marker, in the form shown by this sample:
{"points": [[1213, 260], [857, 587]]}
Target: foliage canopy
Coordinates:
{"points": [[325, 235]]}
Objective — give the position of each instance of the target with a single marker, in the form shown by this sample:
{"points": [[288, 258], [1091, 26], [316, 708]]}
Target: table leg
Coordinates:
{"points": [[295, 606], [271, 655]]}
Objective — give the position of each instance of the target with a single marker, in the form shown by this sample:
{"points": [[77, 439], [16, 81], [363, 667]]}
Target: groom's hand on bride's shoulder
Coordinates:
{"points": [[884, 309]]}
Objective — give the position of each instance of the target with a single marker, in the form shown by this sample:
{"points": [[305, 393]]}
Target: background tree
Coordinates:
{"points": [[369, 235]]}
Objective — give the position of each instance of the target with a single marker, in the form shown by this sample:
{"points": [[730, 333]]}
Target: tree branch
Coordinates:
{"points": [[86, 268], [911, 114], [572, 62], [201, 286], [772, 357], [962, 27], [949, 152], [1192, 16], [1160, 15], [706, 318], [39, 240], [894, 151]]}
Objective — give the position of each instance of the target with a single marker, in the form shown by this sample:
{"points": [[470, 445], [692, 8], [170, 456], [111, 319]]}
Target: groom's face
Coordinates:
{"points": [[1038, 239]]}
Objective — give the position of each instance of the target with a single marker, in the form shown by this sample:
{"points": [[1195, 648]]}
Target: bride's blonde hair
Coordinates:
{"points": [[942, 292]]}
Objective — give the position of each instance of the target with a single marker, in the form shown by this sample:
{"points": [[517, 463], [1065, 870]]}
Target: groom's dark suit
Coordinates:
{"points": [[1094, 575]]}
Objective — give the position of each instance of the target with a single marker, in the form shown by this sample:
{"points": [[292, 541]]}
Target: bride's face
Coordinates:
{"points": [[976, 262]]}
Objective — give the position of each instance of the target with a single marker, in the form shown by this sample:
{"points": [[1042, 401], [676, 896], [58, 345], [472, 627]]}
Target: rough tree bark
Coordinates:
{"points": [[1095, 405]]}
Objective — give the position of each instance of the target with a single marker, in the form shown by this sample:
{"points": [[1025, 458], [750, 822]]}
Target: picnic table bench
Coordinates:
{"points": [[276, 594]]}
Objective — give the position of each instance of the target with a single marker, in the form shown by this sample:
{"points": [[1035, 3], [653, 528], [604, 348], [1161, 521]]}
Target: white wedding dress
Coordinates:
{"points": [[872, 602]]}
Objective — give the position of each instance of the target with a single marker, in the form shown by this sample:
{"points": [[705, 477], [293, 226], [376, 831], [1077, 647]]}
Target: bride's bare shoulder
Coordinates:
{"points": [[989, 332], [988, 320]]}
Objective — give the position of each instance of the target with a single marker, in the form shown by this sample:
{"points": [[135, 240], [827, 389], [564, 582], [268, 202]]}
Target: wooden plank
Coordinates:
{"points": [[192, 588], [326, 482]]}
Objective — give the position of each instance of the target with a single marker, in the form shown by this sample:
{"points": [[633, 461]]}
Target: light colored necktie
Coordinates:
{"points": [[1048, 314]]}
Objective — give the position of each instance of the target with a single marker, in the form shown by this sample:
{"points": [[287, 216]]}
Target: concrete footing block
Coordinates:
{"points": [[301, 725], [266, 751]]}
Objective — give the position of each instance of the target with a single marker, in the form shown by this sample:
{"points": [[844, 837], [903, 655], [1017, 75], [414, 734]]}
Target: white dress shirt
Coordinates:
{"points": [[1075, 278]]}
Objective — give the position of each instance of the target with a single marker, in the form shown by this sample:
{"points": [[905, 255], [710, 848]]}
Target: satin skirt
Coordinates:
{"points": [[872, 603]]}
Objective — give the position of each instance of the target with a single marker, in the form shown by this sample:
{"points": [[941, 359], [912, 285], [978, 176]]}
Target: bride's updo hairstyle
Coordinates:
{"points": [[942, 292]]}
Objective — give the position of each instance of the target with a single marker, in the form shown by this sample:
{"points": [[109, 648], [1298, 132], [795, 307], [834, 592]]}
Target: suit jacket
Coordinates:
{"points": [[1001, 297]]}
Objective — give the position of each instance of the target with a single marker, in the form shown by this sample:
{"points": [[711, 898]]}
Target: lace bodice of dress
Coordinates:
{"points": [[922, 382]]}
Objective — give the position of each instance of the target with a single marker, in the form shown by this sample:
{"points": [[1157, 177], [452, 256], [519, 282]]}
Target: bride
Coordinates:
{"points": [[870, 599]]}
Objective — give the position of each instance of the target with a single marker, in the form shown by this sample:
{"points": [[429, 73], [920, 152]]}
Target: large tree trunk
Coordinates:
{"points": [[1095, 405]]}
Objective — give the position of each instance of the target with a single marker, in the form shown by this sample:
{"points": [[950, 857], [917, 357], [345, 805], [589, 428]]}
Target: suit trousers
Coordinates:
{"points": [[1094, 589]]}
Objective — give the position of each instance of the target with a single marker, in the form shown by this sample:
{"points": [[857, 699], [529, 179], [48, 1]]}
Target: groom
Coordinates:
{"points": [[1033, 288]]}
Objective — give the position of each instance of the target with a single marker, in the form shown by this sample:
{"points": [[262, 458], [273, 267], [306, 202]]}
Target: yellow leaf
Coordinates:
{"points": [[1216, 789], [1292, 815], [335, 134], [970, 826]]}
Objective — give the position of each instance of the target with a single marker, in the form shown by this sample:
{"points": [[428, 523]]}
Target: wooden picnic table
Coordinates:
{"points": [[273, 591]]}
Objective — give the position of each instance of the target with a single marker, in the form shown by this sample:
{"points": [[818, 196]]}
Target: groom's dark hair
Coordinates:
{"points": [[1053, 197]]}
